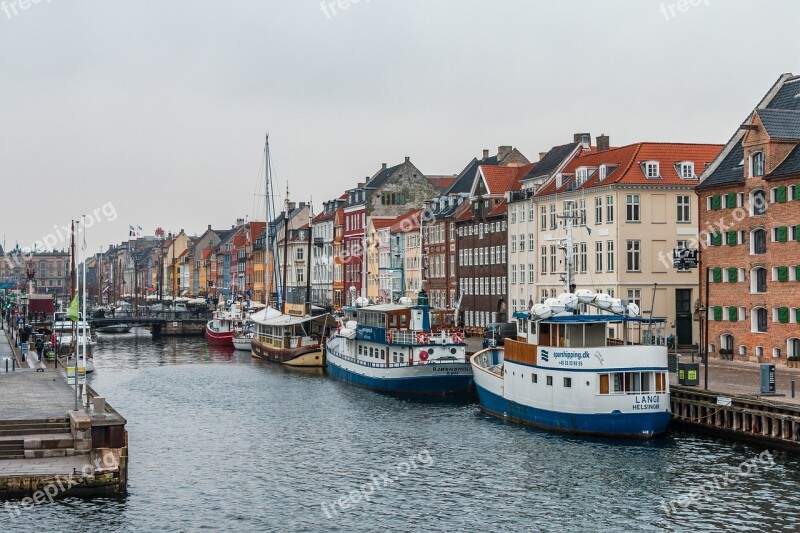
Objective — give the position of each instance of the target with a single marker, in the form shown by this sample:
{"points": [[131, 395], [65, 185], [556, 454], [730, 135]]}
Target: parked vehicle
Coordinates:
{"points": [[497, 331]]}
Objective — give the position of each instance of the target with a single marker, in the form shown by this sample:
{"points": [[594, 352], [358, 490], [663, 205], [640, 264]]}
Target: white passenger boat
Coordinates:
{"points": [[400, 349]]}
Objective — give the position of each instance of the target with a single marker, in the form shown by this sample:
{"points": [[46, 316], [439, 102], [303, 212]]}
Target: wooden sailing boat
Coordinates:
{"points": [[281, 337]]}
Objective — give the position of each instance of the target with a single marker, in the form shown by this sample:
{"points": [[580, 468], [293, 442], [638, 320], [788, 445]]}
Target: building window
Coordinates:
{"points": [[531, 241], [651, 169], [609, 209], [543, 217], [633, 253], [758, 203], [522, 242], [531, 272], [513, 274], [687, 170], [756, 164], [553, 258], [598, 256], [553, 219], [635, 296], [683, 245], [603, 171], [544, 260], [598, 210], [758, 320], [610, 255], [632, 208], [684, 208], [583, 259], [758, 242], [522, 273], [758, 280]]}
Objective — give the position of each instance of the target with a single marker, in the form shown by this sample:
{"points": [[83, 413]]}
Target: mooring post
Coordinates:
{"points": [[13, 364], [792, 387], [6, 366]]}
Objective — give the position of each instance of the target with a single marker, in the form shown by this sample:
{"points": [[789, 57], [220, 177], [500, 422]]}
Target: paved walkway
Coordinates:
{"points": [[743, 378], [35, 396]]}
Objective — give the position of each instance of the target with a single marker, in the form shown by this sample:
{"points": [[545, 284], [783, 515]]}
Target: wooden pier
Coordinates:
{"points": [[734, 407]]}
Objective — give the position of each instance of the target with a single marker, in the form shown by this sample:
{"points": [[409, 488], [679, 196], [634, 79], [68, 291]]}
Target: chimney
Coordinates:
{"points": [[209, 226], [360, 185], [602, 143], [485, 154], [302, 205], [502, 152], [383, 166], [585, 139], [541, 155], [408, 159]]}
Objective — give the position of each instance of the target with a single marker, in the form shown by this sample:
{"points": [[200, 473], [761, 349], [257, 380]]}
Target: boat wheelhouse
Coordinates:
{"points": [[224, 324], [400, 349], [571, 373]]}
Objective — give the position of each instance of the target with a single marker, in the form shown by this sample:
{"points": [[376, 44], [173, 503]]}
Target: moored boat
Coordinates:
{"points": [[393, 348], [224, 324], [114, 328], [570, 374], [243, 341], [288, 339]]}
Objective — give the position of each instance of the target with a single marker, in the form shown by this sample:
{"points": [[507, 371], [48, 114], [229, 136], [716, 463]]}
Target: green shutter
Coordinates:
{"points": [[716, 239], [797, 232], [780, 194], [733, 274], [730, 236], [797, 191], [783, 315], [731, 201], [733, 314], [717, 275], [782, 234], [717, 313], [783, 273], [716, 202], [797, 273]]}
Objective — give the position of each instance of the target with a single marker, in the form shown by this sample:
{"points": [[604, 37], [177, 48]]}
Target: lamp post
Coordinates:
{"points": [[701, 313]]}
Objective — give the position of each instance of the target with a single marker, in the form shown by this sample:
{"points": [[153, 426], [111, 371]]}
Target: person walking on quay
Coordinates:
{"points": [[39, 347]]}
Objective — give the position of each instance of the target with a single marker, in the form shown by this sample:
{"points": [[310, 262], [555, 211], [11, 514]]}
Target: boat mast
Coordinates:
{"points": [[308, 259], [267, 285], [285, 248]]}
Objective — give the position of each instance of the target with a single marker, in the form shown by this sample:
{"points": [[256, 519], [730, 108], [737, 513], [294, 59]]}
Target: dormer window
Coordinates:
{"points": [[582, 174], [757, 164], [559, 180], [687, 170], [603, 171], [651, 170]]}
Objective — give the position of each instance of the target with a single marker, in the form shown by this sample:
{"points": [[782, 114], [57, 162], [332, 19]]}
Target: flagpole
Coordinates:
{"points": [[83, 295]]}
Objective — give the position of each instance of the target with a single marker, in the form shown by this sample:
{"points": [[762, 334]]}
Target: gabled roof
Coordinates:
{"points": [[406, 222], [324, 217], [626, 165], [500, 209], [551, 161], [462, 184], [380, 223], [499, 180], [726, 170], [441, 182], [381, 176], [789, 166], [781, 123]]}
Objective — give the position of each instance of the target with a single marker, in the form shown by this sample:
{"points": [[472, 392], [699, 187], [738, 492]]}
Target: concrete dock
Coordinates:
{"points": [[733, 406], [47, 448]]}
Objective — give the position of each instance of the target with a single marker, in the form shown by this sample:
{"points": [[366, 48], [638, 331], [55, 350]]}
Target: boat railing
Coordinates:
{"points": [[404, 336], [388, 364]]}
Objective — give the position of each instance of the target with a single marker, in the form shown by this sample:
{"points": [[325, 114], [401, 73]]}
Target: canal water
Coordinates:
{"points": [[219, 442]]}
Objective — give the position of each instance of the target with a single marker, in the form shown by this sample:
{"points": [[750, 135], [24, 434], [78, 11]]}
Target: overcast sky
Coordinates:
{"points": [[159, 108]]}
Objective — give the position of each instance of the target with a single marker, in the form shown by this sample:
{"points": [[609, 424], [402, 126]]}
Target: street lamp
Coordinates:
{"points": [[701, 313]]}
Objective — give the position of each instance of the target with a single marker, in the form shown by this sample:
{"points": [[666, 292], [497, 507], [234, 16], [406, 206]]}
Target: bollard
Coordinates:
{"points": [[14, 364], [792, 387], [6, 366]]}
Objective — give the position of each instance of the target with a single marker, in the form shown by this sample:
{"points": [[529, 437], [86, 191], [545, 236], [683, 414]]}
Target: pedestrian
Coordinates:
{"points": [[39, 347]]}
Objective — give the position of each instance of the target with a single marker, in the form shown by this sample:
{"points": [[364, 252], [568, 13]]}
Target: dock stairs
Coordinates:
{"points": [[28, 439]]}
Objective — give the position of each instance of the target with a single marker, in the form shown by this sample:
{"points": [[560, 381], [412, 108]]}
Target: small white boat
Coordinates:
{"points": [[114, 328], [243, 342]]}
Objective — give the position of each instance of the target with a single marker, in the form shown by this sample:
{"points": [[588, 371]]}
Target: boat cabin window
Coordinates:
{"points": [[398, 319], [549, 380], [534, 378], [632, 382], [568, 382]]}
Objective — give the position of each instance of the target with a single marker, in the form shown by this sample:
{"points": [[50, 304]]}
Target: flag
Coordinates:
{"points": [[131, 231], [72, 311], [588, 230], [139, 231]]}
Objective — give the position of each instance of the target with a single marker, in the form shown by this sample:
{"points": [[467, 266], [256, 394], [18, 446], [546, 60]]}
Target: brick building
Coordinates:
{"points": [[749, 201]]}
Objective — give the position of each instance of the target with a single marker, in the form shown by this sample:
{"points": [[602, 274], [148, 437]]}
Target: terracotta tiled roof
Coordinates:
{"points": [[207, 252], [465, 215], [323, 217], [441, 182], [500, 209], [399, 225], [626, 165], [502, 179], [380, 223]]}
